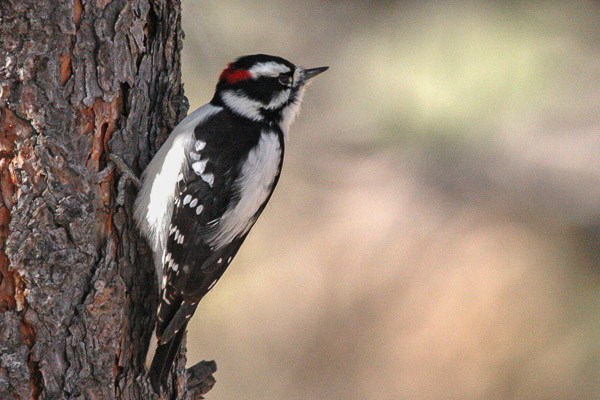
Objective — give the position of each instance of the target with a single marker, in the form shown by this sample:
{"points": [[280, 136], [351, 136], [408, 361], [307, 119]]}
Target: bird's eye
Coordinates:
{"points": [[285, 80]]}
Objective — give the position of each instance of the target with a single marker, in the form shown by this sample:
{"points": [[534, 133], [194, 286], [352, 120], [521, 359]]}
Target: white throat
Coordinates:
{"points": [[290, 112]]}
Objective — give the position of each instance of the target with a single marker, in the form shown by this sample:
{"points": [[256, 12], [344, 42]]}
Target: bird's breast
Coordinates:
{"points": [[255, 183]]}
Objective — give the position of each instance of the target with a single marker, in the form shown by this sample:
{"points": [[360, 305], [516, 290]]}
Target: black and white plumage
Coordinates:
{"points": [[208, 184]]}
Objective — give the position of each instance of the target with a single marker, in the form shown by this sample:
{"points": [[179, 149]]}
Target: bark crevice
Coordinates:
{"points": [[80, 80]]}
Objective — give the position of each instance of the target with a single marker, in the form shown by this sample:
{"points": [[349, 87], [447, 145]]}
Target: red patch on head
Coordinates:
{"points": [[232, 75]]}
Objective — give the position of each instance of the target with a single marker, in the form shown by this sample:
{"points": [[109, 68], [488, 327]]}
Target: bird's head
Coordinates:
{"points": [[264, 88]]}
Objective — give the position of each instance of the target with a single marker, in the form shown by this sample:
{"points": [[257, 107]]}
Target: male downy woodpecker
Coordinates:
{"points": [[208, 184]]}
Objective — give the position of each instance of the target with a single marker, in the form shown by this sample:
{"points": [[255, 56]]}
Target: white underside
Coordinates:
{"points": [[254, 185]]}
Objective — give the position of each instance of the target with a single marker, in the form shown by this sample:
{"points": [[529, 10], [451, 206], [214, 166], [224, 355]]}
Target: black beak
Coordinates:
{"points": [[312, 72]]}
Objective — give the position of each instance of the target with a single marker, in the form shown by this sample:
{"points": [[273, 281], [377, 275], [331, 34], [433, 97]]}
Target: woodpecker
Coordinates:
{"points": [[208, 184]]}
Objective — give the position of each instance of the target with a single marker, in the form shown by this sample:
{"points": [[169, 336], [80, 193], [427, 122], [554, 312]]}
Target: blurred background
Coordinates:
{"points": [[436, 230]]}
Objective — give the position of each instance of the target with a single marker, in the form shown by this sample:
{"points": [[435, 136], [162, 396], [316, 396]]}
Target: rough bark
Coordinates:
{"points": [[79, 79]]}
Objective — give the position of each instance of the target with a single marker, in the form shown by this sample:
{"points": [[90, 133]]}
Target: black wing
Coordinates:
{"points": [[191, 266], [205, 192]]}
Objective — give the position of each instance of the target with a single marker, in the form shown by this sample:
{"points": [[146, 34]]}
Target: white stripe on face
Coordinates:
{"points": [[279, 99], [242, 105], [270, 68]]}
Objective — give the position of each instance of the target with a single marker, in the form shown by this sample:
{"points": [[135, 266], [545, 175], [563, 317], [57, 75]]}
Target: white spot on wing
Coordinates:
{"points": [[199, 166], [154, 204], [187, 199], [194, 156], [208, 178], [199, 209], [199, 145], [193, 203]]}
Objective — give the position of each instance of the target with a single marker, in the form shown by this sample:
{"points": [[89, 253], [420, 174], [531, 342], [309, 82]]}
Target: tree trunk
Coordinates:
{"points": [[79, 79]]}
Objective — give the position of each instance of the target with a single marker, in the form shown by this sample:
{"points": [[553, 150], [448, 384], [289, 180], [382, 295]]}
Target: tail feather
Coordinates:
{"points": [[178, 321], [163, 360]]}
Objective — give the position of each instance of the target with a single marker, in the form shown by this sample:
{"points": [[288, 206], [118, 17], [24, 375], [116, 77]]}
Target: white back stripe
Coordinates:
{"points": [[154, 204]]}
